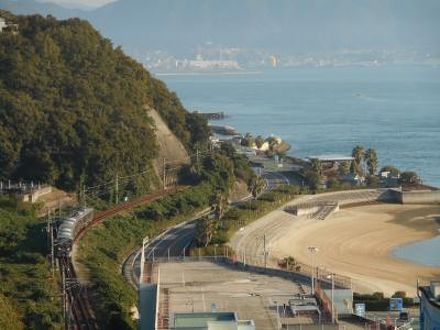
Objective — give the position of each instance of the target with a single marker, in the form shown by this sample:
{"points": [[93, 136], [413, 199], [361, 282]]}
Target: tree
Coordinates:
{"points": [[390, 168], [373, 181], [371, 160], [316, 166], [358, 154], [333, 183], [227, 149], [256, 186], [344, 168], [204, 231], [259, 141], [248, 140], [74, 107], [220, 201], [313, 180], [409, 177]]}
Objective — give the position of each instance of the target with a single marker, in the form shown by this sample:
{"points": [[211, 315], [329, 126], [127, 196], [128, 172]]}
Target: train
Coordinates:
{"points": [[70, 227]]}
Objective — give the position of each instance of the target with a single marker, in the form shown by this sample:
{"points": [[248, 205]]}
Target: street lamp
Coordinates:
{"points": [[278, 315], [312, 250], [144, 242], [264, 249], [332, 276]]}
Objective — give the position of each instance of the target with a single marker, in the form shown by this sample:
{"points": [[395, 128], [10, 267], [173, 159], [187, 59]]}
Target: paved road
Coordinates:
{"points": [[172, 243], [175, 241]]}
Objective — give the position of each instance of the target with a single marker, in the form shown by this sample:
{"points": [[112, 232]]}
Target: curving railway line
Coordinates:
{"points": [[78, 312]]}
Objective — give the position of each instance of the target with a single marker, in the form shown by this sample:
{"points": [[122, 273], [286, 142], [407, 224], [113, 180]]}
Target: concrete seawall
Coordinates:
{"points": [[420, 197], [413, 197]]}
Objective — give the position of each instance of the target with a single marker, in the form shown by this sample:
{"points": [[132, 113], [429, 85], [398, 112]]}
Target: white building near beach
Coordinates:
{"points": [[3, 24]]}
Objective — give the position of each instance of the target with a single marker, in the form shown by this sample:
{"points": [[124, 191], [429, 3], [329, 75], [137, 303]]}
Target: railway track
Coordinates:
{"points": [[76, 296], [103, 215]]}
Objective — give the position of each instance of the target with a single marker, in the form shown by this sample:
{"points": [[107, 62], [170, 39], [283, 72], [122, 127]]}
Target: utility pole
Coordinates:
{"points": [[144, 241], [63, 279], [197, 159], [52, 256], [265, 252], [333, 297], [84, 196], [164, 174], [117, 189]]}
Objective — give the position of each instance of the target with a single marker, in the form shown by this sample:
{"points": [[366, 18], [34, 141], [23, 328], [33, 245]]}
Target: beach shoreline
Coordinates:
{"points": [[358, 242]]}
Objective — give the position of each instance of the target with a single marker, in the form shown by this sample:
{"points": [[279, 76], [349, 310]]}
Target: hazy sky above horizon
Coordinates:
{"points": [[79, 3]]}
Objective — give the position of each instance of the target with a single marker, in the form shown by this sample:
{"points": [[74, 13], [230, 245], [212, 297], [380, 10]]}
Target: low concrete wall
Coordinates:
{"points": [[314, 327], [36, 194], [411, 197], [420, 197]]}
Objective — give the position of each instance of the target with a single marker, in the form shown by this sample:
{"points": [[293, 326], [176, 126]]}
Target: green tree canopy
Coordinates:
{"points": [[72, 106]]}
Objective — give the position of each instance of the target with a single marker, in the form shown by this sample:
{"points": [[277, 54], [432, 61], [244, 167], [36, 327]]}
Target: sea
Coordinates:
{"points": [[329, 110]]}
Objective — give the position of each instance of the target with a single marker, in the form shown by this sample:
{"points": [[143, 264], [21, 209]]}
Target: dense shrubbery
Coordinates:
{"points": [[378, 302], [72, 108], [234, 218], [28, 294]]}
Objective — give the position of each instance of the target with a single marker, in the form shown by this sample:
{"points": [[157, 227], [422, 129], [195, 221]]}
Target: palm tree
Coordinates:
{"points": [[204, 231], [316, 166], [358, 154], [220, 205], [371, 160], [256, 186]]}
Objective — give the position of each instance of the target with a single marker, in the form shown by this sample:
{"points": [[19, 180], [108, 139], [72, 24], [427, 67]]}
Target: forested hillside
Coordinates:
{"points": [[72, 107]]}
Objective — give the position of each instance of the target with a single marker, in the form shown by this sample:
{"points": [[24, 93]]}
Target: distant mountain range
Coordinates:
{"points": [[279, 25]]}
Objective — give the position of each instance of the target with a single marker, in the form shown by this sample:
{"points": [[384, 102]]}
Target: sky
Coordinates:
{"points": [[79, 3]]}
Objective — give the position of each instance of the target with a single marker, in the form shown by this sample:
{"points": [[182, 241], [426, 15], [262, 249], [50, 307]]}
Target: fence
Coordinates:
{"points": [[304, 276], [21, 187]]}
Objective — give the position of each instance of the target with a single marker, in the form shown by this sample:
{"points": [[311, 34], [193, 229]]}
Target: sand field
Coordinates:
{"points": [[358, 242]]}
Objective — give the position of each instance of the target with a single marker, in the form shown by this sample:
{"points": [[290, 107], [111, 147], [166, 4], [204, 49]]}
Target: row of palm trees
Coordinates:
{"points": [[365, 161], [364, 164], [207, 225]]}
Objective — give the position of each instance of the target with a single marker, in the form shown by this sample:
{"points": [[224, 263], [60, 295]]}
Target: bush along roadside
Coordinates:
{"points": [[216, 232]]}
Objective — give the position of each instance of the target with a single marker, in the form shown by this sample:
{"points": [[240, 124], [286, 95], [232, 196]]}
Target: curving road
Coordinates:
{"points": [[174, 241]]}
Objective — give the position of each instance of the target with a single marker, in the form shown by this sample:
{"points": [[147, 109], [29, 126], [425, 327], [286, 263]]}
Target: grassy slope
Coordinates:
{"points": [[28, 293]]}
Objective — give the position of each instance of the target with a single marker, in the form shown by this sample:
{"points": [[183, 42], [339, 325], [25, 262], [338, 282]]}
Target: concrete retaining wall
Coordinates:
{"points": [[36, 194], [411, 197], [420, 197]]}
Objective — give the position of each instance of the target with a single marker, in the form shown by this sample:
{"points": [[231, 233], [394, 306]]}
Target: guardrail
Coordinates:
{"points": [[339, 280]]}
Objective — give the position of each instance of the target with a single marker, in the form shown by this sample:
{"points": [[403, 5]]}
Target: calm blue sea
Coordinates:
{"points": [[425, 252], [395, 110]]}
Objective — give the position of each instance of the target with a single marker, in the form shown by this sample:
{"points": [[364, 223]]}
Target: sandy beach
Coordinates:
{"points": [[358, 242]]}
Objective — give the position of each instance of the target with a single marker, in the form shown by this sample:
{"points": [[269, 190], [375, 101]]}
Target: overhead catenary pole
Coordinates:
{"points": [[164, 174], [264, 251], [117, 189], [52, 254], [197, 158], [84, 196], [63, 279]]}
